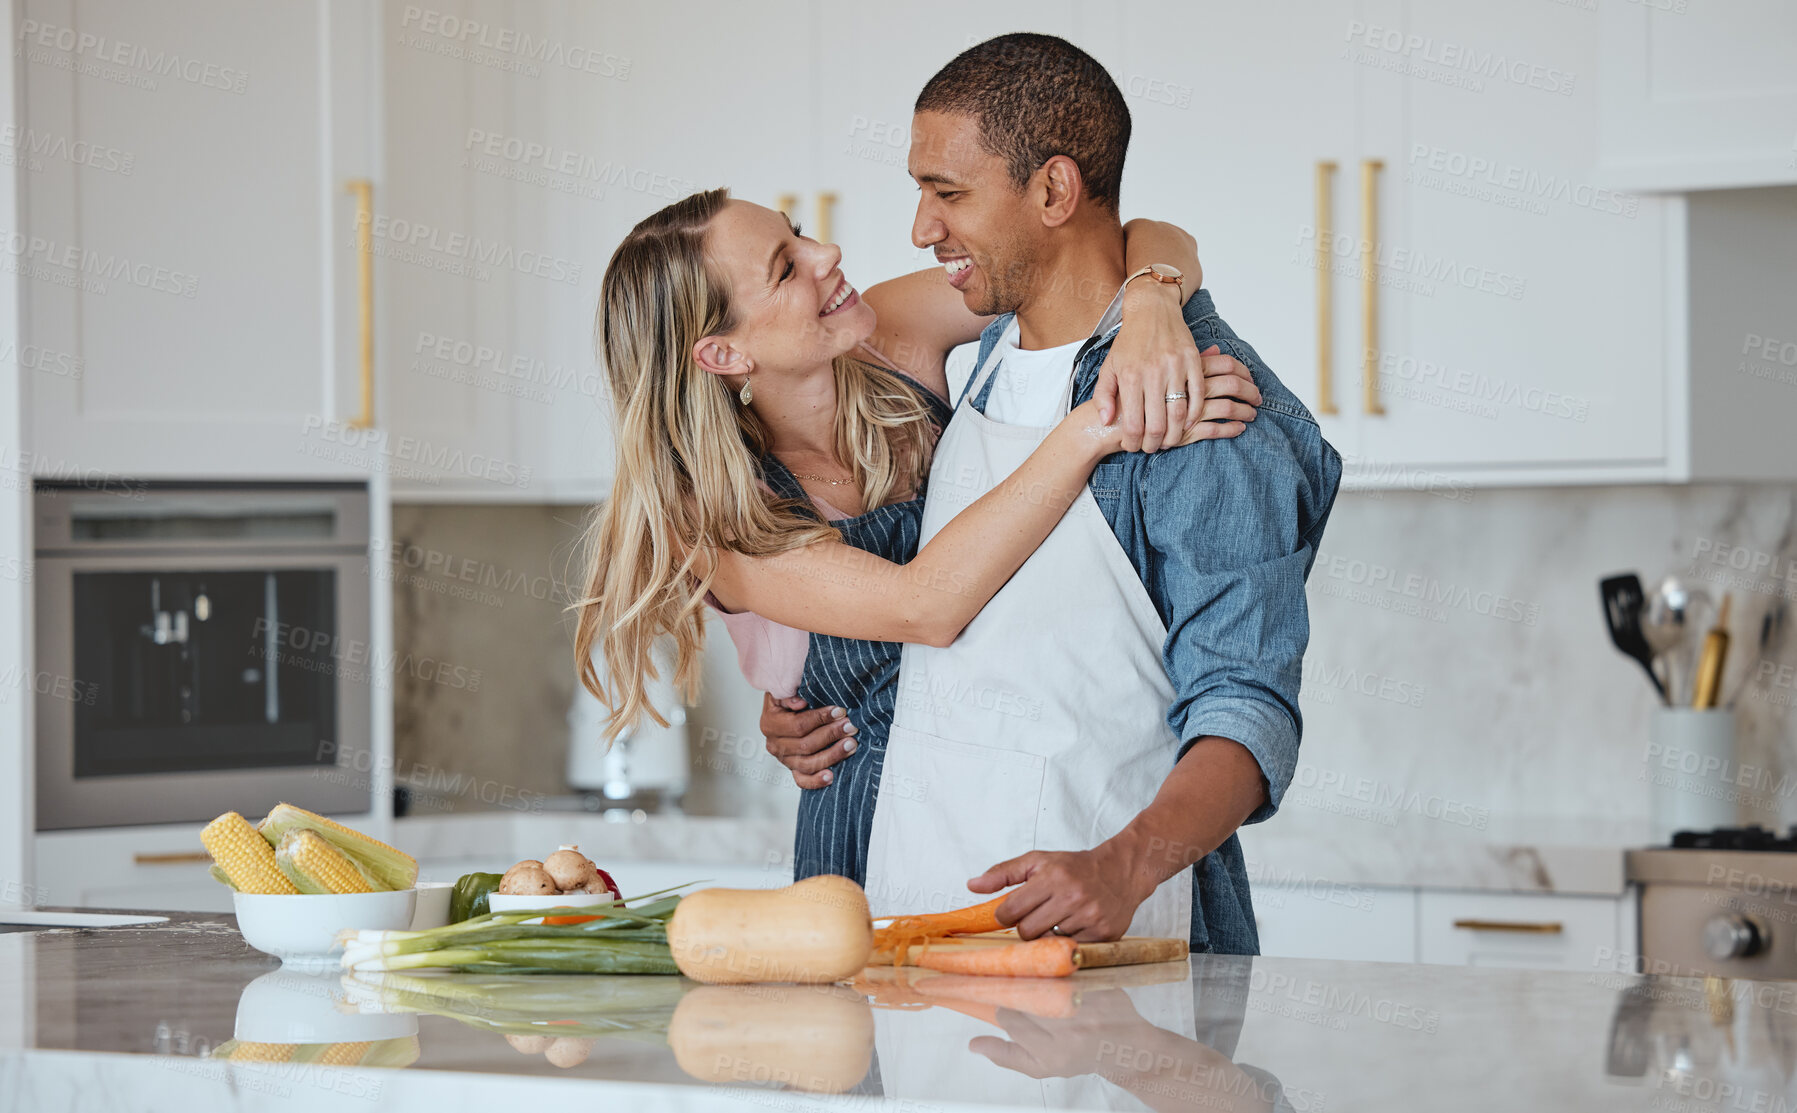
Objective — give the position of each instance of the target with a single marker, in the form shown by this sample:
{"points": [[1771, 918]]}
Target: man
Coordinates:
{"points": [[1130, 698]]}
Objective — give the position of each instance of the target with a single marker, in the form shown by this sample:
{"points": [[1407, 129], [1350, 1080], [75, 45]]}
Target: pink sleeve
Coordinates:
{"points": [[771, 656]]}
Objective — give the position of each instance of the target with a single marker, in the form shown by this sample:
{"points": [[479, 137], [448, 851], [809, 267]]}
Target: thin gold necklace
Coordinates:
{"points": [[821, 479]]}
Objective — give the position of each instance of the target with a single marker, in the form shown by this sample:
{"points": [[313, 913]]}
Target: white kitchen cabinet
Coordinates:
{"points": [[1233, 107], [152, 868], [1698, 96], [614, 111], [1494, 312], [1514, 332], [1520, 930], [195, 279], [1323, 919]]}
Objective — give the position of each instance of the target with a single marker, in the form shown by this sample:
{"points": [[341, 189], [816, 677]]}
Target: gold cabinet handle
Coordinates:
{"points": [[788, 204], [1525, 927], [180, 858], [1369, 285], [1325, 289], [363, 188], [826, 205]]}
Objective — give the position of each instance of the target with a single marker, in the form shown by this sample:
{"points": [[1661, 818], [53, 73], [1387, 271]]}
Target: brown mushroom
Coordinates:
{"points": [[530, 1045], [570, 869], [597, 886], [568, 1051], [527, 879]]}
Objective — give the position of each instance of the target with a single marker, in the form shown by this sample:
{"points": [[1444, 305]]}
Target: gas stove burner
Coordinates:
{"points": [[1736, 838]]}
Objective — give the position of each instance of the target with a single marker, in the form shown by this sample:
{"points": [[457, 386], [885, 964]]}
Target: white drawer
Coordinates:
{"points": [[1325, 919], [153, 868], [1540, 931]]}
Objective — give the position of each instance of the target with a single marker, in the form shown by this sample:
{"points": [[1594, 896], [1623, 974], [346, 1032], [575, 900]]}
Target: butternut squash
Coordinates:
{"points": [[818, 1038], [813, 931]]}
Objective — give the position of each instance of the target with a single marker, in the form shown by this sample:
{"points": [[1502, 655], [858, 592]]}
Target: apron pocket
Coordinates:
{"points": [[946, 812]]}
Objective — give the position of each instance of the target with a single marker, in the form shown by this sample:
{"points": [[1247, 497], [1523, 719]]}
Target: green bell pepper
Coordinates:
{"points": [[469, 897]]}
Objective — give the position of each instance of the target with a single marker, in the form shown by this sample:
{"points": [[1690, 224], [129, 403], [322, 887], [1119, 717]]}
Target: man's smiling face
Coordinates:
{"points": [[978, 221]]}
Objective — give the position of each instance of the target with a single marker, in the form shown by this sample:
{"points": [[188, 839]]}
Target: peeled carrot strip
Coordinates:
{"points": [[1051, 956], [905, 931]]}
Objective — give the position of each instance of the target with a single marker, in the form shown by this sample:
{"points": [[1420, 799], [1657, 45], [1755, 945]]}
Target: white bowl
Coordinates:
{"points": [[433, 905], [500, 902], [310, 1006], [302, 930]]}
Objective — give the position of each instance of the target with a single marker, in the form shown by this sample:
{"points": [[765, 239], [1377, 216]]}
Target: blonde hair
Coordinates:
{"points": [[688, 461]]}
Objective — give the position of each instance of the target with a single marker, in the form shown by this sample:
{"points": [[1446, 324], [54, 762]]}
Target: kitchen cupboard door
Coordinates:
{"points": [[732, 102], [1323, 919], [1698, 96], [1533, 931], [1234, 106], [1518, 324], [195, 286], [609, 112], [458, 372]]}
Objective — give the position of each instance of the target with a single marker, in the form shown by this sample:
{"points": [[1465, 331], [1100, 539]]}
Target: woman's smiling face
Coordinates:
{"points": [[793, 307]]}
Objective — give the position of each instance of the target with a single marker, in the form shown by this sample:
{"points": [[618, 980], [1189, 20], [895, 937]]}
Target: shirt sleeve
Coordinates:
{"points": [[1231, 528]]}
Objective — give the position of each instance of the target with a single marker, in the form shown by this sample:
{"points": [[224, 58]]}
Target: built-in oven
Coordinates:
{"points": [[203, 648]]}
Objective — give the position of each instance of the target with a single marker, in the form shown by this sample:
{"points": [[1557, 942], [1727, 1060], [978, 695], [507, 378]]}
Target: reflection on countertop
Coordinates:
{"points": [[184, 1015]]}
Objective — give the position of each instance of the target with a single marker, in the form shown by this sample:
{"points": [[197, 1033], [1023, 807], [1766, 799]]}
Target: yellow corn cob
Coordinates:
{"points": [[245, 857], [341, 1054], [384, 866], [315, 866], [246, 1051]]}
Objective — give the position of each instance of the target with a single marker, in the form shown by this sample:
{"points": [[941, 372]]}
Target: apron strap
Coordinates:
{"points": [[784, 484], [977, 380]]}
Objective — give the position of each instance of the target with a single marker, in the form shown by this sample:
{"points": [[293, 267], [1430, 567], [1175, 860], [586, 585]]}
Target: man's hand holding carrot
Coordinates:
{"points": [[1086, 893]]}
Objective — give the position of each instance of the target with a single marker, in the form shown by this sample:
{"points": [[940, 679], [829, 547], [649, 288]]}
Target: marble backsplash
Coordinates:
{"points": [[1459, 666], [1460, 662]]}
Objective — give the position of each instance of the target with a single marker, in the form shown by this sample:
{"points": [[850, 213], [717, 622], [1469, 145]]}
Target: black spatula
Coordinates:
{"points": [[1623, 601]]}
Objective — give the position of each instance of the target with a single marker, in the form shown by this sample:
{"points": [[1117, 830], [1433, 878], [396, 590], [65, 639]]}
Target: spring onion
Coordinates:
{"points": [[617, 940]]}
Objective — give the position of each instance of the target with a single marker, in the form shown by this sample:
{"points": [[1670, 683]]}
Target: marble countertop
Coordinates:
{"points": [[127, 1018], [1302, 844]]}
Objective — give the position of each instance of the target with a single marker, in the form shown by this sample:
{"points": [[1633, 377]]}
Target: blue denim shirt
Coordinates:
{"points": [[1223, 534]]}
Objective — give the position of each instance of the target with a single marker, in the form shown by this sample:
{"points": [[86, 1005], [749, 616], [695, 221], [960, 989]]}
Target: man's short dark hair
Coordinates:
{"points": [[1035, 97]]}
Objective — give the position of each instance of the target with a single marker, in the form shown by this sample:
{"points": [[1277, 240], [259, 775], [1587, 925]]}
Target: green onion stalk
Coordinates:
{"points": [[621, 940], [633, 1008]]}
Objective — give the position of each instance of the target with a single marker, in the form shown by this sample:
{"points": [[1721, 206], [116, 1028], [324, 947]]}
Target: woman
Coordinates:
{"points": [[771, 463]]}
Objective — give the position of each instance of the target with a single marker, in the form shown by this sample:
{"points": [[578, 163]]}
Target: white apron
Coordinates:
{"points": [[1043, 727]]}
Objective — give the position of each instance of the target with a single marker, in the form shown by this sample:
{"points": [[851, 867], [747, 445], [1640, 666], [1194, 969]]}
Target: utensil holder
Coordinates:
{"points": [[1693, 780]]}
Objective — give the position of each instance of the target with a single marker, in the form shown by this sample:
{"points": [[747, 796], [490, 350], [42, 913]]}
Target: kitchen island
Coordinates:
{"points": [[139, 1018]]}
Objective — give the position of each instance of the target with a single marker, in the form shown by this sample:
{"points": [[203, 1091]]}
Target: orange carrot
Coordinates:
{"points": [[1051, 956], [570, 919], [905, 931], [1055, 998]]}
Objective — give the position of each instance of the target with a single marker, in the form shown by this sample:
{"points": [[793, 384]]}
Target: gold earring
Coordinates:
{"points": [[746, 395]]}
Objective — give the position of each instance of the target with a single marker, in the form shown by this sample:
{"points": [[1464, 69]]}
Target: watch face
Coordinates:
{"points": [[1166, 273]]}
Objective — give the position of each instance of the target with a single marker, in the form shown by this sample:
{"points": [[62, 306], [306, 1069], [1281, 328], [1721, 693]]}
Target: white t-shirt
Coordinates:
{"points": [[1028, 387]]}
